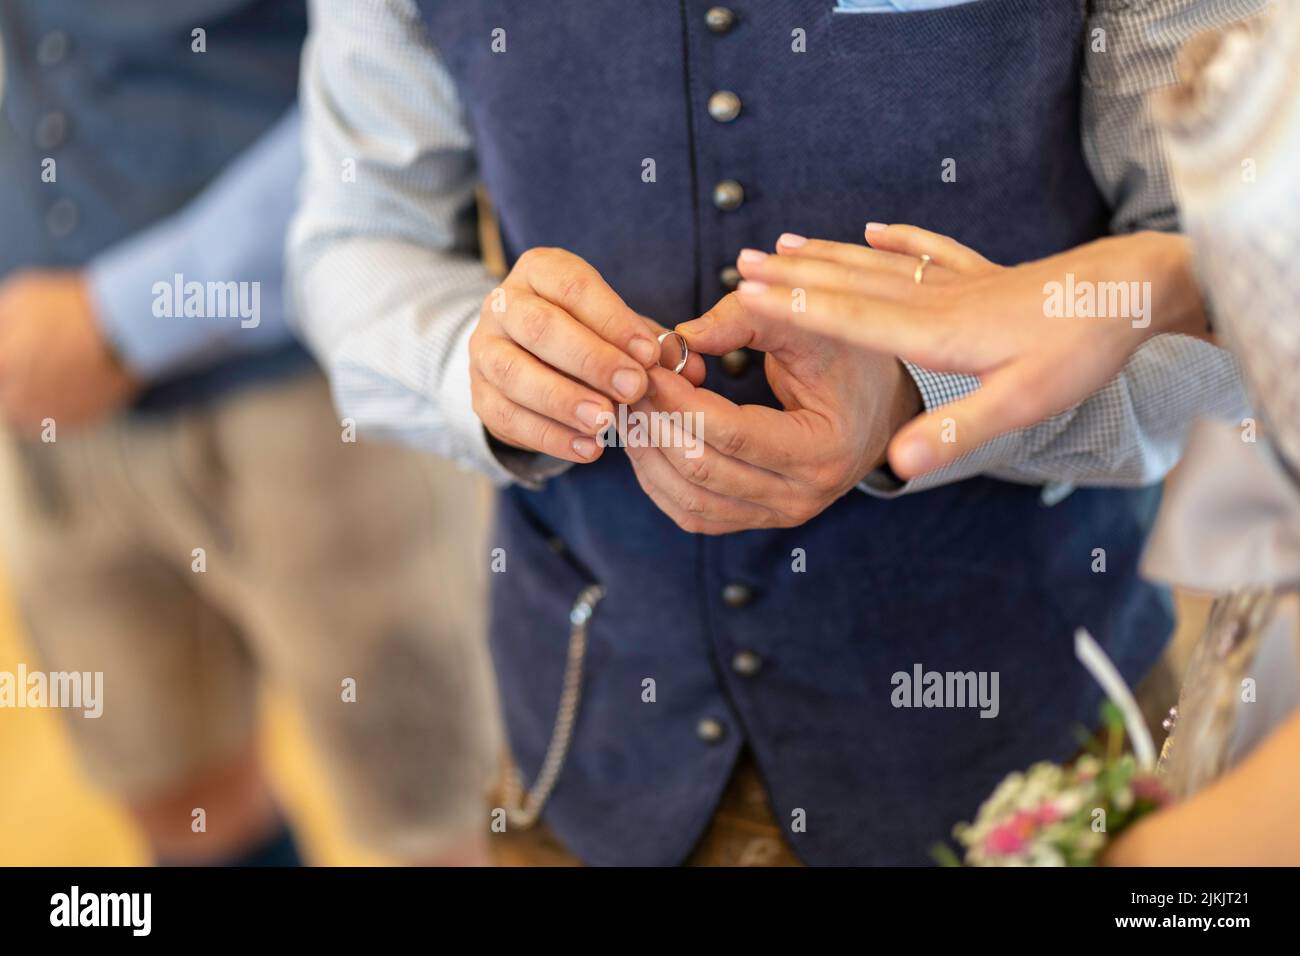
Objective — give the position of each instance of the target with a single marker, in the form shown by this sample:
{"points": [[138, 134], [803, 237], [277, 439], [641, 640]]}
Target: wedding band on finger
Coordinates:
{"points": [[921, 266], [681, 344]]}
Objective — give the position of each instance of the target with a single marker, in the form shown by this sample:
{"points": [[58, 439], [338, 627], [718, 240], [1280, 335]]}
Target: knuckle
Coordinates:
{"points": [[506, 415], [534, 325], [802, 512], [589, 365], [549, 437], [534, 257], [732, 442], [690, 503], [502, 368], [697, 470], [785, 519], [689, 523], [573, 285], [550, 395]]}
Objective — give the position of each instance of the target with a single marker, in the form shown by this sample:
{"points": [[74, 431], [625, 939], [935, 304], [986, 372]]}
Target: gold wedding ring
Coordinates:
{"points": [[681, 344], [921, 266]]}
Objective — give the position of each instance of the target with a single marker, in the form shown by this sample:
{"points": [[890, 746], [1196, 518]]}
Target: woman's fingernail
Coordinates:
{"points": [[749, 287], [752, 255], [589, 414], [876, 227], [643, 350], [791, 240], [693, 327], [626, 382], [584, 447]]}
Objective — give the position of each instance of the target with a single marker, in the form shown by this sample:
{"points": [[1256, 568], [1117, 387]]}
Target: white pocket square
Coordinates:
{"points": [[894, 6]]}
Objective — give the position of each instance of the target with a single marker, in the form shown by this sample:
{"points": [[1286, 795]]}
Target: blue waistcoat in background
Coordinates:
{"points": [[139, 125], [978, 576]]}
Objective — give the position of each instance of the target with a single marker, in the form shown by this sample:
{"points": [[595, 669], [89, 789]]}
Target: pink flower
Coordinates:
{"points": [[1012, 836], [1048, 813]]}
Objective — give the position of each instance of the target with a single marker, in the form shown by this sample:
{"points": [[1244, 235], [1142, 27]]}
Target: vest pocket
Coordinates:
{"points": [[916, 34]]}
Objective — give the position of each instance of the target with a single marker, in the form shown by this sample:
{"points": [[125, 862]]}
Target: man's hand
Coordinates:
{"points": [[553, 347], [54, 360], [759, 467]]}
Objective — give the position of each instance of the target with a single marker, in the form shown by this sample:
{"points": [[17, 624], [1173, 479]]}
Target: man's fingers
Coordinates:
{"points": [[914, 242], [693, 508], [548, 332], [761, 436], [524, 428], [699, 463], [573, 284], [527, 381]]}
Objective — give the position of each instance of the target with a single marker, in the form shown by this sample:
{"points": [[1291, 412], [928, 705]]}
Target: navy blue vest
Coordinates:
{"points": [[979, 576], [144, 124]]}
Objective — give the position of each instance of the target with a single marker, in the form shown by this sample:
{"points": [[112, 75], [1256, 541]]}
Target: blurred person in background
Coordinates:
{"points": [[182, 510]]}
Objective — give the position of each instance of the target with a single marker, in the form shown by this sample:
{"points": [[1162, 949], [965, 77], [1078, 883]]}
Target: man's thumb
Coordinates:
{"points": [[729, 326]]}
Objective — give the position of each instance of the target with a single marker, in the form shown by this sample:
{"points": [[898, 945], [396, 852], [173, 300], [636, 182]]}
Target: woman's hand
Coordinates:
{"points": [[972, 316]]}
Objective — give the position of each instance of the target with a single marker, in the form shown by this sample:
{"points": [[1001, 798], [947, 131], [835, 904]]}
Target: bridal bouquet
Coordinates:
{"points": [[1054, 815]]}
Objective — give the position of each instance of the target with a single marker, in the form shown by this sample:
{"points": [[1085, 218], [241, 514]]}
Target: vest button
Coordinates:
{"points": [[728, 195], [746, 663], [735, 362], [737, 595], [51, 130], [729, 278], [724, 106], [61, 218], [710, 730], [52, 48], [720, 19]]}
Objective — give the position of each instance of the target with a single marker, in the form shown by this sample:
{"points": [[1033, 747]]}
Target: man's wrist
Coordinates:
{"points": [[907, 400], [907, 403]]}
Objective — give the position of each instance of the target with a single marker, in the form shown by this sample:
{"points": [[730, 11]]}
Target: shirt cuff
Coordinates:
{"points": [[121, 283]]}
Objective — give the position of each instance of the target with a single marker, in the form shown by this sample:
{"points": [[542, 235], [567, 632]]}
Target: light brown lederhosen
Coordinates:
{"points": [[743, 832]]}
